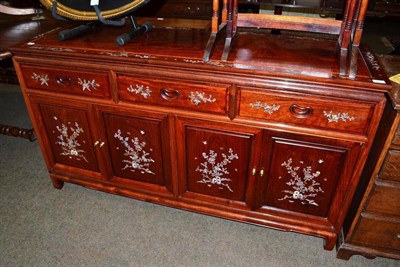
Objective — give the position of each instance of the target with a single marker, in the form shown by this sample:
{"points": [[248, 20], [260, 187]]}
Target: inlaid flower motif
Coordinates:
{"points": [[43, 79], [140, 89], [200, 97], [264, 106], [68, 140], [136, 157], [88, 85], [304, 188], [332, 117], [215, 172]]}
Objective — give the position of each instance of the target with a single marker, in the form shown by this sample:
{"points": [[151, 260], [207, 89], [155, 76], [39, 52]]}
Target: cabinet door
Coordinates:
{"points": [[216, 160], [307, 175], [66, 134], [138, 144]]}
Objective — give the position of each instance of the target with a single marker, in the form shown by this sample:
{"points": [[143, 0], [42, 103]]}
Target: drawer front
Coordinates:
{"points": [[195, 96], [323, 113], [79, 82], [378, 232], [391, 167], [384, 199]]}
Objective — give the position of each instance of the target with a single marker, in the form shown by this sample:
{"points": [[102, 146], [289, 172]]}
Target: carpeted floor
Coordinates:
{"points": [[75, 226]]}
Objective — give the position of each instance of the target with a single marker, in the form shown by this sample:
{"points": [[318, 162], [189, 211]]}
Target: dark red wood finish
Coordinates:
{"points": [[72, 80], [174, 93], [207, 148]]}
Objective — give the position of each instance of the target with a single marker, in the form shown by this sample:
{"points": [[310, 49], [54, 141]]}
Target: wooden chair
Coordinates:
{"points": [[349, 30], [216, 26]]}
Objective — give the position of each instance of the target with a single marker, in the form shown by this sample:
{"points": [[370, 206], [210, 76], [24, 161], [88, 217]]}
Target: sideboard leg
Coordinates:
{"points": [[57, 183], [370, 257], [347, 253], [330, 242], [344, 254]]}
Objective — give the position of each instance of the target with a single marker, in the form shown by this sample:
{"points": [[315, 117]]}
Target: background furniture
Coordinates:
{"points": [[16, 29], [374, 229], [277, 143], [348, 30]]}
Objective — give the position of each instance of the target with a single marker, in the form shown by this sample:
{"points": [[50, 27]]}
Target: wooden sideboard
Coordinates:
{"points": [[273, 136], [374, 228]]}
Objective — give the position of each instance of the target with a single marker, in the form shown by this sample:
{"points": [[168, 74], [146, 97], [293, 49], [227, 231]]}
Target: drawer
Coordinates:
{"points": [[384, 199], [180, 94], [318, 112], [64, 80], [391, 167], [379, 232]]}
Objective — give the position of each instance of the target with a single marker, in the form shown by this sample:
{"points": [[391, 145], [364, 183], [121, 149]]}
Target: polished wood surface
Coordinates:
{"points": [[153, 121], [290, 55], [372, 227], [16, 29]]}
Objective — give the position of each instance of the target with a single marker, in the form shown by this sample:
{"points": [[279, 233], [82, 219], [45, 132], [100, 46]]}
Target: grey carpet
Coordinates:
{"points": [[75, 226]]}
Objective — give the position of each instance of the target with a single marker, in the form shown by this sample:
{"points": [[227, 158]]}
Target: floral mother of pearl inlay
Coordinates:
{"points": [[139, 89], [88, 85], [136, 156], [199, 97], [43, 79], [214, 172], [68, 140], [267, 108], [332, 117], [304, 188]]}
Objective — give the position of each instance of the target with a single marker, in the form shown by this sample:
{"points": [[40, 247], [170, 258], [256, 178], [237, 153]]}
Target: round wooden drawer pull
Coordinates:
{"points": [[300, 112]]}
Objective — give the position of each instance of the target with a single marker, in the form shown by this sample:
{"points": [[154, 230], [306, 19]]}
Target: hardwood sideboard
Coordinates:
{"points": [[374, 228], [273, 136]]}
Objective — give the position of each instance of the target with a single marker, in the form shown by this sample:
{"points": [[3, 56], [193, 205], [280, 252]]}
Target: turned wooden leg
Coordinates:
{"points": [[17, 132], [57, 183]]}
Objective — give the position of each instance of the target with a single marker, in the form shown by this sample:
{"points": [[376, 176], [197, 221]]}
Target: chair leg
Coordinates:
{"points": [[353, 61], [209, 46], [227, 48], [343, 53]]}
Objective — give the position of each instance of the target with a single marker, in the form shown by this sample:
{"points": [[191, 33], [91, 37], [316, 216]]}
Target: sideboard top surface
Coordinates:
{"points": [[181, 44]]}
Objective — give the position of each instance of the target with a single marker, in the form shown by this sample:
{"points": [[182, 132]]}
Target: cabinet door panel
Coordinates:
{"points": [[303, 176], [218, 159], [69, 135], [217, 163], [135, 147]]}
